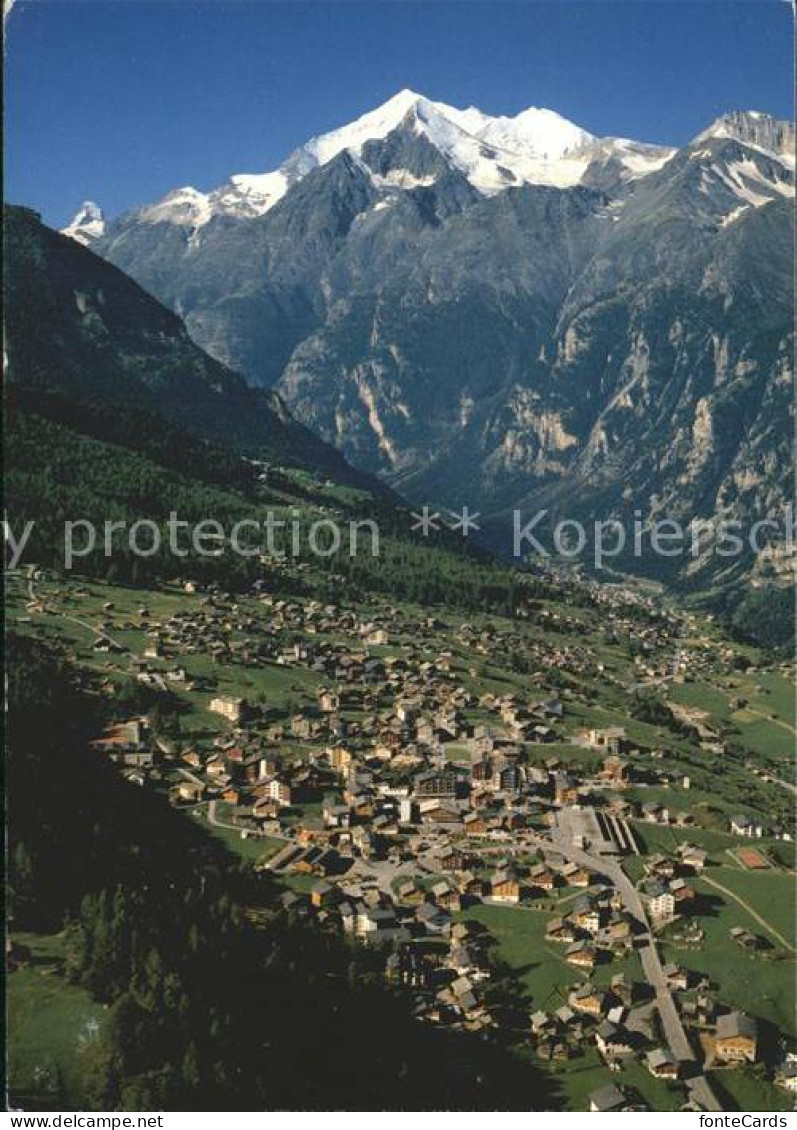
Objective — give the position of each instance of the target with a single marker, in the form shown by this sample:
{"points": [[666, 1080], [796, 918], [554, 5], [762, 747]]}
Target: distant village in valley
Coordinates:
{"points": [[564, 802]]}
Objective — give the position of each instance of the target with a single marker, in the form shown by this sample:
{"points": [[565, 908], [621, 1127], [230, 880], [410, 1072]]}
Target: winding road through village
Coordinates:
{"points": [[697, 1084]]}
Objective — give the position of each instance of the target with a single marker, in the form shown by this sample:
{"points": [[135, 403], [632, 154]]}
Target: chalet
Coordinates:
{"points": [[607, 1099], [469, 1004], [786, 1075], [612, 739], [565, 790], [232, 708], [581, 954], [661, 903], [316, 860], [677, 977], [407, 892], [683, 893], [304, 727], [540, 1022], [542, 877], [585, 912], [589, 919], [701, 1012], [655, 813], [744, 938], [507, 777], [589, 1000], [693, 857], [618, 928], [746, 826], [560, 930], [441, 814], [504, 888], [661, 866], [464, 961], [616, 772], [552, 1048], [435, 783], [191, 791], [407, 711], [477, 823], [322, 894], [336, 815], [377, 925], [613, 1042], [575, 876], [446, 896], [621, 989], [264, 808], [256, 767], [534, 732], [565, 1015], [340, 759], [279, 790], [662, 1063], [328, 701], [433, 919], [736, 1038], [481, 771], [471, 885], [453, 860], [408, 968]]}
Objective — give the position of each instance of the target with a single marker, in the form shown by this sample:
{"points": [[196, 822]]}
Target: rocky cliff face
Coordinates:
{"points": [[77, 325], [615, 338]]}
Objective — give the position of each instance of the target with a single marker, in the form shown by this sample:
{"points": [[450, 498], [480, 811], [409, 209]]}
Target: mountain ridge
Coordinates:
{"points": [[626, 338], [79, 325], [542, 134]]}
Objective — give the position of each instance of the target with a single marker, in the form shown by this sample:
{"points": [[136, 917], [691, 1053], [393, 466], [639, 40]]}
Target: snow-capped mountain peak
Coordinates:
{"points": [[88, 223], [543, 132], [753, 127], [537, 146], [372, 126]]}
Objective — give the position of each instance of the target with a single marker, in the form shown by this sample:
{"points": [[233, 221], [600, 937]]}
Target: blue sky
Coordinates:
{"points": [[121, 100]]}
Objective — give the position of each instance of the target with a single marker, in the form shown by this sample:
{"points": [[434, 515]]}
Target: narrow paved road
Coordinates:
{"points": [[697, 1086], [98, 633], [784, 785], [214, 820], [775, 721]]}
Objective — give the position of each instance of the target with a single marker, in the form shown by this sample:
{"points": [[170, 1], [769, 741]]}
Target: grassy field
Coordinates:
{"points": [[766, 720], [576, 1079], [770, 894], [543, 974], [660, 838], [763, 987], [254, 849], [49, 1024], [545, 978], [701, 696], [760, 735], [744, 1089]]}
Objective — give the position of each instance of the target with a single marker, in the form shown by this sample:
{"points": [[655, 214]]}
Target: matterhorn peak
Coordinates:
{"points": [[88, 223]]}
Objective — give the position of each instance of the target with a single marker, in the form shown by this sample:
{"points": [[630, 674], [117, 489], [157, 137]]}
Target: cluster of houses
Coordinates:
{"points": [[405, 797], [734, 1042]]}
